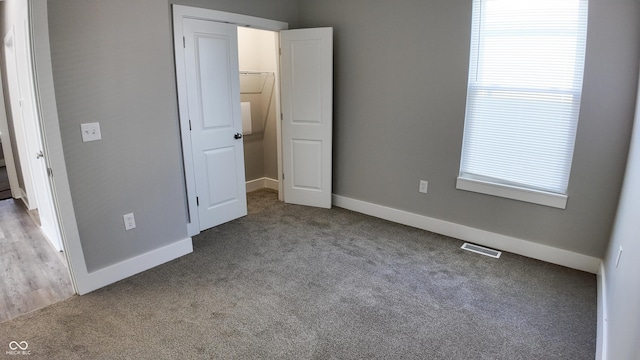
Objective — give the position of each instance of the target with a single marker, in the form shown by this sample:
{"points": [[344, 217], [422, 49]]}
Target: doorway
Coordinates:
{"points": [[208, 82], [37, 270], [260, 99], [36, 190]]}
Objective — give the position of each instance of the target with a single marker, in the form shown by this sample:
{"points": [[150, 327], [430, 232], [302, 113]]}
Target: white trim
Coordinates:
{"points": [[135, 265], [482, 237], [277, 88], [22, 196], [227, 17], [253, 185], [271, 184], [179, 13], [513, 192], [193, 224], [262, 183], [601, 338]]}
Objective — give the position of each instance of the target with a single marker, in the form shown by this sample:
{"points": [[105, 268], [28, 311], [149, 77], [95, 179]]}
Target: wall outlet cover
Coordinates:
{"points": [[129, 221], [90, 132], [423, 186]]}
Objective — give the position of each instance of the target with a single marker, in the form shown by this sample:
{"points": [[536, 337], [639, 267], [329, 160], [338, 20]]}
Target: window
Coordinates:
{"points": [[523, 98]]}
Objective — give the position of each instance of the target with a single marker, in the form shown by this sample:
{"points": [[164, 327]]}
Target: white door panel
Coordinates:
{"points": [[307, 105], [307, 165], [224, 191], [306, 74], [216, 102], [211, 64]]}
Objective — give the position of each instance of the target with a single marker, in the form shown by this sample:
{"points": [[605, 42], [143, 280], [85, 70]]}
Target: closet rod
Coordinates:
{"points": [[255, 73]]}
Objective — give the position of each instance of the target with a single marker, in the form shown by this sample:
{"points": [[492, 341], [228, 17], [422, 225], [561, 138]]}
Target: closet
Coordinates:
{"points": [[258, 96]]}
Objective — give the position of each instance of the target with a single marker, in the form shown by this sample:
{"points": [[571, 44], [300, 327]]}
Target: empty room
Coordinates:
{"points": [[344, 179]]}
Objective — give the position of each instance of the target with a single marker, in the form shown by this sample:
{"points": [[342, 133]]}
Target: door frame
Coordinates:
{"points": [[46, 107], [180, 12]]}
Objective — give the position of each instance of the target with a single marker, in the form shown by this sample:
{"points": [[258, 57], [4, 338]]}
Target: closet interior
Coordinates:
{"points": [[258, 96]]}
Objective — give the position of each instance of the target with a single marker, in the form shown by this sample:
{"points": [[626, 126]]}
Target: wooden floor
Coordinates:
{"points": [[34, 274]]}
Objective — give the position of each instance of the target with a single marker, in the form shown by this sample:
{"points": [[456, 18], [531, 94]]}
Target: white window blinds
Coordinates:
{"points": [[523, 97]]}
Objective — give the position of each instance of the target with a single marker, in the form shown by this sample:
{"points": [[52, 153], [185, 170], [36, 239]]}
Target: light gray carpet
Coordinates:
{"points": [[292, 282]]}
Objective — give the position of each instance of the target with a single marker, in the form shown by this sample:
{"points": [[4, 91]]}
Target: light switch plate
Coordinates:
{"points": [[90, 132]]}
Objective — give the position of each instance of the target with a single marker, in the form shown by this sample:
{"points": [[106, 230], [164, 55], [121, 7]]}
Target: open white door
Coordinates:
{"points": [[40, 176], [213, 95], [307, 105], [28, 134], [16, 101]]}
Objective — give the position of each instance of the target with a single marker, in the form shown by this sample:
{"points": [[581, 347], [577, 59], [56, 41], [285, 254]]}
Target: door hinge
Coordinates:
{"points": [[197, 201], [280, 51], [282, 176], [281, 116], [184, 42], [189, 124], [50, 171]]}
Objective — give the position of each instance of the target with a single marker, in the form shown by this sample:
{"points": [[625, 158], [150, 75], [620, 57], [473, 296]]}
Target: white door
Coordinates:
{"points": [[40, 176], [31, 153], [307, 87], [16, 100], [213, 92]]}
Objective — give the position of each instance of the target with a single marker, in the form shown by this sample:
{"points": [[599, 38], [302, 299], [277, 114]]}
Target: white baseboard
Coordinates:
{"points": [[481, 237], [262, 183], [135, 265], [601, 338]]}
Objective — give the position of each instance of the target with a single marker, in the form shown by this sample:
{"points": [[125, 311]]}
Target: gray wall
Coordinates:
{"points": [[400, 86], [113, 63], [622, 282]]}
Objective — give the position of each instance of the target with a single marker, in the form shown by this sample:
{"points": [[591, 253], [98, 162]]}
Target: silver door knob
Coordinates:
{"points": [[237, 136], [39, 155]]}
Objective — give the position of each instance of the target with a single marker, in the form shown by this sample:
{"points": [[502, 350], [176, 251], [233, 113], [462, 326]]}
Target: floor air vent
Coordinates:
{"points": [[481, 250]]}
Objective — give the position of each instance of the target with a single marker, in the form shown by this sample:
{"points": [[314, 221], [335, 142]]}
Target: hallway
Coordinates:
{"points": [[34, 275]]}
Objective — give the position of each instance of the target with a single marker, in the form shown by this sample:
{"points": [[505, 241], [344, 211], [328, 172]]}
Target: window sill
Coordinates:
{"points": [[511, 192]]}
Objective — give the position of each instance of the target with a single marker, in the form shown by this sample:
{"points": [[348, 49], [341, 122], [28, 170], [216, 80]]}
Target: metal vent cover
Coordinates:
{"points": [[481, 250]]}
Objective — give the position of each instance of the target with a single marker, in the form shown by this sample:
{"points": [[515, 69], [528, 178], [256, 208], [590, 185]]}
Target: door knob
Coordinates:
{"points": [[237, 136], [39, 155]]}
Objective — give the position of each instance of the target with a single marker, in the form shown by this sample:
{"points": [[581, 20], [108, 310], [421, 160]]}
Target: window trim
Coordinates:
{"points": [[512, 192]]}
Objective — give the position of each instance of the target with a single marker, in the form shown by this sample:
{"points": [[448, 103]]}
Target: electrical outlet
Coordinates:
{"points": [[129, 221], [423, 186], [90, 132]]}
